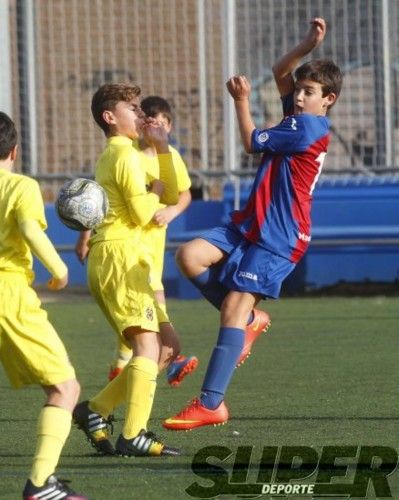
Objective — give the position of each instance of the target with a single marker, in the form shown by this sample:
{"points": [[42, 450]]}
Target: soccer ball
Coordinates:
{"points": [[81, 204]]}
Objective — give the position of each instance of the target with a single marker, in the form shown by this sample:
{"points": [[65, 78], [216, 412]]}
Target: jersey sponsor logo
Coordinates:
{"points": [[263, 137], [304, 237], [247, 275]]}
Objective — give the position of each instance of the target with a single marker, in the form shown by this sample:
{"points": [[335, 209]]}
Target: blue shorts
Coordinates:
{"points": [[248, 267]]}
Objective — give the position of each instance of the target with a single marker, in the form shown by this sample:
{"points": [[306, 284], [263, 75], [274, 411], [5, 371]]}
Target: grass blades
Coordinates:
{"points": [[326, 373]]}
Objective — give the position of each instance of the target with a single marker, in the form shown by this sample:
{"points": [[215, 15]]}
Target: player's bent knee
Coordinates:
{"points": [[73, 391], [76, 388], [65, 394], [71, 388], [183, 258], [192, 258]]}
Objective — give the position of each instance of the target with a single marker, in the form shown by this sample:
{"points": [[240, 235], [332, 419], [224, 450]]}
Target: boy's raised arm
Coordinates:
{"points": [[240, 89], [283, 68], [155, 134]]}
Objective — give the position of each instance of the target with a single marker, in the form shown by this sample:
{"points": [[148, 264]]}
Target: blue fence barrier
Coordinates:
{"points": [[355, 236]]}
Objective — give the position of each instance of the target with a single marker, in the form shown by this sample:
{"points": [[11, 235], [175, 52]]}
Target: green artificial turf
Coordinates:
{"points": [[326, 374]]}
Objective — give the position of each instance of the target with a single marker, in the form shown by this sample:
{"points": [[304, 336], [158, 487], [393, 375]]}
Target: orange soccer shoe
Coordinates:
{"points": [[259, 324], [179, 368], [196, 415], [114, 372]]}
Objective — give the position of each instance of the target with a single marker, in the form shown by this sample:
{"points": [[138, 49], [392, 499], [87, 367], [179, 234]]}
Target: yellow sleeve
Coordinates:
{"points": [[183, 179], [30, 203], [167, 175], [42, 247], [143, 208], [131, 179]]}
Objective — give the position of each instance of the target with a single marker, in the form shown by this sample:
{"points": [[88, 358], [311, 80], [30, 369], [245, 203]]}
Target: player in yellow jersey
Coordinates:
{"points": [[30, 349], [119, 269], [155, 234]]}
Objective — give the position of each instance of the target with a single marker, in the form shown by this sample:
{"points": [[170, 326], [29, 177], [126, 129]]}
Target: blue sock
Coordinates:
{"points": [[209, 286], [221, 366]]}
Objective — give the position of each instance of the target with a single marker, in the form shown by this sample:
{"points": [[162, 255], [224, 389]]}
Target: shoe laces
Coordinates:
{"points": [[156, 446], [153, 437], [193, 404], [62, 484], [110, 423]]}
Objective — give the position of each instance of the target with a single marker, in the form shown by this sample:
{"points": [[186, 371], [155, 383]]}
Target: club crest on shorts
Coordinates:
{"points": [[149, 313]]}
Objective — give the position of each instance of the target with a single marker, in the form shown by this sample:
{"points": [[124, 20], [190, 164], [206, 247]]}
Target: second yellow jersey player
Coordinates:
{"points": [[154, 238], [155, 234]]}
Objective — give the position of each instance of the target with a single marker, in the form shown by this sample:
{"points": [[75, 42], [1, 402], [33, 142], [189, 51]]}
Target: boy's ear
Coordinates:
{"points": [[108, 117], [14, 153], [330, 99], [168, 127]]}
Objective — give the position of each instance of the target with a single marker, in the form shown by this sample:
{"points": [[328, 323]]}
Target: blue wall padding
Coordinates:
{"points": [[362, 213]]}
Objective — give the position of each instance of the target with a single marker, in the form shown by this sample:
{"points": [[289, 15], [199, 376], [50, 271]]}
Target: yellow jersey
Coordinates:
{"points": [[120, 172], [20, 200], [154, 236], [151, 166]]}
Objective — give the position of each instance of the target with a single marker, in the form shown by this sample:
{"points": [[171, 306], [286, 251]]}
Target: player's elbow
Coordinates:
{"points": [[248, 147], [277, 70], [169, 198]]}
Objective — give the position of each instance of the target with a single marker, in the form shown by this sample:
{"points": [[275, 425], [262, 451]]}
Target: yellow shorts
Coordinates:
{"points": [[119, 280], [30, 349]]}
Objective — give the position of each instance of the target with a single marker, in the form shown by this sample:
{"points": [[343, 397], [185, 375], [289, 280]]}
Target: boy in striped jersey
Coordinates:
{"points": [[247, 260]]}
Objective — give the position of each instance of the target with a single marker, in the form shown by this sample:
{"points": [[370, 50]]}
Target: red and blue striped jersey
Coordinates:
{"points": [[277, 215]]}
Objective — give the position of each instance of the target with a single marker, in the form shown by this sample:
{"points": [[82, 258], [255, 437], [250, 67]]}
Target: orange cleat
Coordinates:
{"points": [[114, 372], [196, 415], [259, 324], [181, 367]]}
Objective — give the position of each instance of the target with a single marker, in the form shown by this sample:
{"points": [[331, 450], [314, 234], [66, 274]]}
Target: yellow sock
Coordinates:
{"points": [[141, 385], [53, 429], [113, 395]]}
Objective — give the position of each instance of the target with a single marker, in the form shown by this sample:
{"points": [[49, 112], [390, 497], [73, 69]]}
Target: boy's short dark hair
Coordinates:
{"points": [[323, 71], [8, 136], [153, 105], [107, 97]]}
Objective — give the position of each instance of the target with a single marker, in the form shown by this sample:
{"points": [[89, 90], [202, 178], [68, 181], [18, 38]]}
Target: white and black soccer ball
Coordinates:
{"points": [[81, 204]]}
